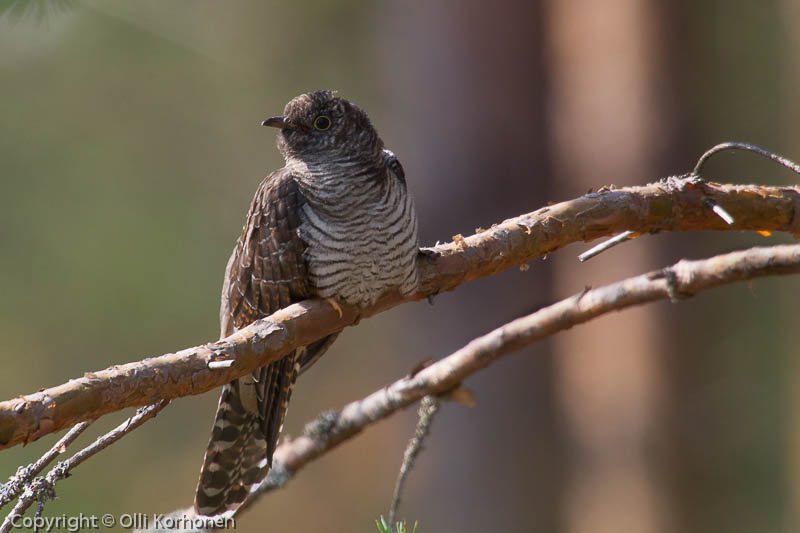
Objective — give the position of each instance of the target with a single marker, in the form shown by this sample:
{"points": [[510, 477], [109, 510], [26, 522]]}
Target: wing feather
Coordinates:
{"points": [[266, 272]]}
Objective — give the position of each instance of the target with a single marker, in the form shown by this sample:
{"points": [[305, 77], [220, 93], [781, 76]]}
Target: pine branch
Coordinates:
{"points": [[428, 408], [10, 490], [43, 488], [680, 281], [675, 204]]}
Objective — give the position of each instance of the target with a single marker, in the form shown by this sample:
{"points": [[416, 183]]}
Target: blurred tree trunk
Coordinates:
{"points": [[609, 125], [790, 11], [471, 83]]}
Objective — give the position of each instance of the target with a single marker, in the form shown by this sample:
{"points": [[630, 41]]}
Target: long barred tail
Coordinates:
{"points": [[235, 456], [244, 435]]}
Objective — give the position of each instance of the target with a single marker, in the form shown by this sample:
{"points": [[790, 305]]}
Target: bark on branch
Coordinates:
{"points": [[682, 280], [675, 204]]}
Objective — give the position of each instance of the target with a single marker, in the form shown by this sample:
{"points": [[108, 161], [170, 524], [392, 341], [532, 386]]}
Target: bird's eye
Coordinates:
{"points": [[322, 123]]}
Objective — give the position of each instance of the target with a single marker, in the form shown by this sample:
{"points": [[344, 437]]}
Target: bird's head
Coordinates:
{"points": [[321, 126]]}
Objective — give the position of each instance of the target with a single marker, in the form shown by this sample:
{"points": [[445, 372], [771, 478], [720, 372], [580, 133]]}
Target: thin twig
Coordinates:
{"points": [[718, 209], [794, 167], [724, 215], [605, 245], [143, 414], [10, 490], [428, 407], [44, 486], [682, 280], [213, 365]]}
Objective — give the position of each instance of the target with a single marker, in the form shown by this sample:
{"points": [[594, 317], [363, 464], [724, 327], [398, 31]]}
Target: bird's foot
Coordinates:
{"points": [[335, 305]]}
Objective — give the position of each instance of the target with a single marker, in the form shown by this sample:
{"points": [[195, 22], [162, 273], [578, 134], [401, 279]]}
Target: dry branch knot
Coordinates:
{"points": [[673, 285], [319, 428]]}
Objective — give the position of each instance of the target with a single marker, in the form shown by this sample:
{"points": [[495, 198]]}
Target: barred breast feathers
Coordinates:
{"points": [[360, 226]]}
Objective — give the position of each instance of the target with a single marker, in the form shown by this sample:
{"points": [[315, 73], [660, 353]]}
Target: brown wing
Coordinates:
{"points": [[266, 272], [267, 269]]}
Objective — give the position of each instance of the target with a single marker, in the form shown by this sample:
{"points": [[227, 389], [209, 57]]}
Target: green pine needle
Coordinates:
{"points": [[383, 526]]}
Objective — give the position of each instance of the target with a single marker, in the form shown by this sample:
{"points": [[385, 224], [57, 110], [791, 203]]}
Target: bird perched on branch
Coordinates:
{"points": [[336, 222]]}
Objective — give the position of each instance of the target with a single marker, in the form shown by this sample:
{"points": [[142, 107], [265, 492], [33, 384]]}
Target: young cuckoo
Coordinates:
{"points": [[336, 222]]}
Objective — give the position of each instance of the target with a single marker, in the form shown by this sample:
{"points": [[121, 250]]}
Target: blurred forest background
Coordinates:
{"points": [[131, 145]]}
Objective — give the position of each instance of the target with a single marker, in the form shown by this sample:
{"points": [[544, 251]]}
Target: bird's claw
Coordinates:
{"points": [[335, 305]]}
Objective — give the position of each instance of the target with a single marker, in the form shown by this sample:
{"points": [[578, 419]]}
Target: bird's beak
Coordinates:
{"points": [[280, 122]]}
